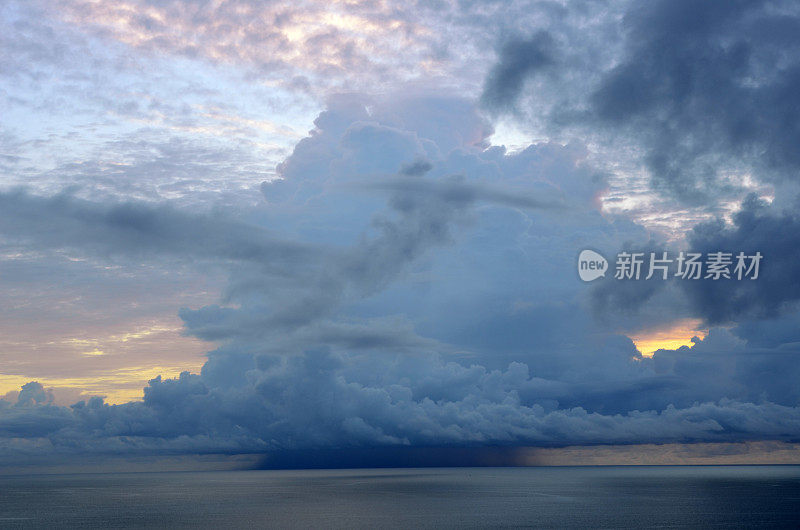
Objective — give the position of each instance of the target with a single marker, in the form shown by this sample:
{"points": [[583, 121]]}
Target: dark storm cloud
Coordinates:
{"points": [[770, 333], [728, 363], [391, 457], [704, 89], [770, 230], [614, 300], [773, 232], [707, 86], [519, 60], [707, 96]]}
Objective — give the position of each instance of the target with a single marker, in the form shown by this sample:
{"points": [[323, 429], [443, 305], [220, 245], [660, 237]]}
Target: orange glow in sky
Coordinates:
{"points": [[116, 365], [669, 337]]}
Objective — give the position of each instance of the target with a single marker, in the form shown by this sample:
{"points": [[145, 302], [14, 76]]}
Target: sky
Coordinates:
{"points": [[285, 228]]}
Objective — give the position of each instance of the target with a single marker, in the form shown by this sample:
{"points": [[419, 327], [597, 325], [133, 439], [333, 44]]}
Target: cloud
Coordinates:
{"points": [[757, 228], [134, 228], [399, 283], [703, 97], [708, 89], [276, 40], [457, 192], [325, 401], [33, 393], [402, 285], [88, 111], [519, 60]]}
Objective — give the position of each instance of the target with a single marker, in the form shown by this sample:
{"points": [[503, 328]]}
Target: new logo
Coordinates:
{"points": [[591, 265]]}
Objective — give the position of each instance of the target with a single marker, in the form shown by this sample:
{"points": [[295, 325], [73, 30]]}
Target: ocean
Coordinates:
{"points": [[533, 497]]}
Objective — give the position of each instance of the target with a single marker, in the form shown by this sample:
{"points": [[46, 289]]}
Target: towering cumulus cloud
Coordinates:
{"points": [[427, 298]]}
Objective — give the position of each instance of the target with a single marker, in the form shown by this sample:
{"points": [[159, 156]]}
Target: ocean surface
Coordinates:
{"points": [[545, 497]]}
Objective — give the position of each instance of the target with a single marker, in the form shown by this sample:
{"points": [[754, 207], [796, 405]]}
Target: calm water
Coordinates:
{"points": [[596, 497]]}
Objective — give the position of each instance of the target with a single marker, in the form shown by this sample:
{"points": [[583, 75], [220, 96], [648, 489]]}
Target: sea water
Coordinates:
{"points": [[544, 497]]}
